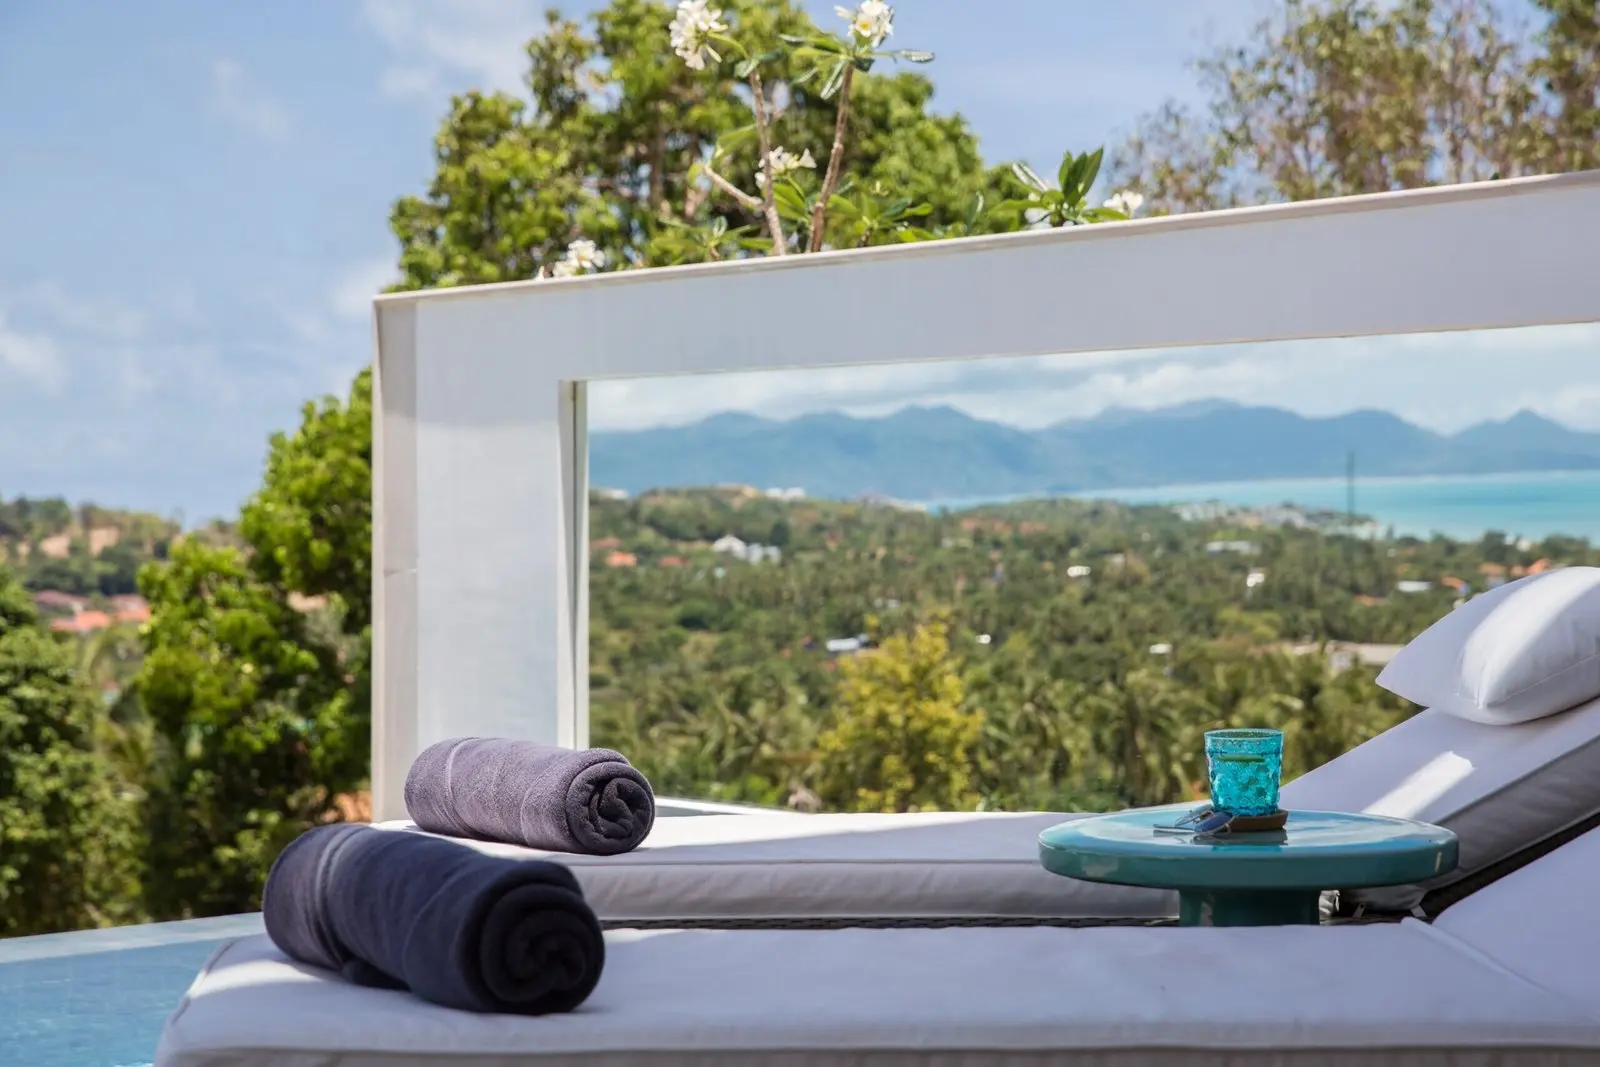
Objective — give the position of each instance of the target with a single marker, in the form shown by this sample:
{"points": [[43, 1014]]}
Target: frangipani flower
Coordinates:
{"points": [[784, 161], [582, 257], [1126, 202], [870, 22], [691, 29]]}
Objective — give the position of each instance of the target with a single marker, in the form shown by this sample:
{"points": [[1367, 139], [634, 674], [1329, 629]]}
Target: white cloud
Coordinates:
{"points": [[1442, 381], [238, 100], [32, 357], [108, 320], [352, 292], [447, 46]]}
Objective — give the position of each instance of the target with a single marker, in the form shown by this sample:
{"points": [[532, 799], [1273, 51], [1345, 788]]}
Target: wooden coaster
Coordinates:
{"points": [[1255, 824]]}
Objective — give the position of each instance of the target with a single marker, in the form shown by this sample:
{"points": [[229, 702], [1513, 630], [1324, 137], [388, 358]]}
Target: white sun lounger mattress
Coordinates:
{"points": [[1399, 994], [955, 866]]}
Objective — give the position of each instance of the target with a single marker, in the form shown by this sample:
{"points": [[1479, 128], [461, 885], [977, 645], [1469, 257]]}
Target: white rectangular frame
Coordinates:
{"points": [[480, 425]]}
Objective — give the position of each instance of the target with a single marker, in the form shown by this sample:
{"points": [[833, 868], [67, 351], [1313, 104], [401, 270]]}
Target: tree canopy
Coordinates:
{"points": [[68, 830], [1339, 97]]}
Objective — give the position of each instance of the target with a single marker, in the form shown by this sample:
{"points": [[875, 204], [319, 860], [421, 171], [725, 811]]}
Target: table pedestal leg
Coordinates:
{"points": [[1248, 907]]}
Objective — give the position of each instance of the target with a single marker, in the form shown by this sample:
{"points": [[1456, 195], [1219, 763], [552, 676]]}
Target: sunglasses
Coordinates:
{"points": [[1201, 822]]}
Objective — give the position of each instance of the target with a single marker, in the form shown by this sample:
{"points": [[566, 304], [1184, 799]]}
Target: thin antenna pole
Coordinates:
{"points": [[1350, 492]]}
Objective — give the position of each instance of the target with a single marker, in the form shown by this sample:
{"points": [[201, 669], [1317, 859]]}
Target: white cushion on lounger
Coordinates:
{"points": [[1110, 996], [1540, 921], [969, 865], [1500, 788], [1514, 654]]}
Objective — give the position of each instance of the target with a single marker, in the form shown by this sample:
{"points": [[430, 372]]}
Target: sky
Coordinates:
{"points": [[194, 199]]}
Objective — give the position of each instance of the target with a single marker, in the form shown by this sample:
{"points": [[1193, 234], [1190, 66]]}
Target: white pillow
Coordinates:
{"points": [[1517, 653]]}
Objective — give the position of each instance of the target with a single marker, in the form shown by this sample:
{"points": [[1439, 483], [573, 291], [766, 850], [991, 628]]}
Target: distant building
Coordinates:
{"points": [[611, 494], [55, 600], [1344, 654], [622, 559], [130, 609], [1412, 586], [1162, 648], [1254, 578], [1243, 548], [671, 561], [729, 545], [84, 622], [1077, 570], [787, 494], [841, 646]]}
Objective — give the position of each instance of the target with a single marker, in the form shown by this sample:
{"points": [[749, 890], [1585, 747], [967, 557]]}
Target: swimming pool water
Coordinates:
{"points": [[64, 1007]]}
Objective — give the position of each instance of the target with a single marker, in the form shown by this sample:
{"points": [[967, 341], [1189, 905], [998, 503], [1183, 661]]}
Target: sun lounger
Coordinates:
{"points": [[1508, 792], [825, 870], [1504, 978]]}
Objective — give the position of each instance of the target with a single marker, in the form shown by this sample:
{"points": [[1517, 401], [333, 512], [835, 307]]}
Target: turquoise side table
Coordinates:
{"points": [[1270, 879]]}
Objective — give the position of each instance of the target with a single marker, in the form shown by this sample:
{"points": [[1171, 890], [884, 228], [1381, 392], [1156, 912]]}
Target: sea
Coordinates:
{"points": [[1531, 505]]}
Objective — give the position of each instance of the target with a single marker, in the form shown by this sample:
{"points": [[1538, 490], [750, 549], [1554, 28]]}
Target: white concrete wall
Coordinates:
{"points": [[481, 613]]}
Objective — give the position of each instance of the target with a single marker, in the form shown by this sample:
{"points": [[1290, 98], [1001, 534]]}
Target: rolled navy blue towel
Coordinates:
{"points": [[452, 925], [521, 792]]}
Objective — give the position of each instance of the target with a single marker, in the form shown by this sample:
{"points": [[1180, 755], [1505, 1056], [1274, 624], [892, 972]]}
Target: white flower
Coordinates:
{"points": [[871, 22], [691, 29], [582, 257], [1126, 202], [783, 161]]}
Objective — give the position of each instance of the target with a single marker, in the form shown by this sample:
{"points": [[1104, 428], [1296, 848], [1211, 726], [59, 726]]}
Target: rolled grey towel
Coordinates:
{"points": [[441, 919], [524, 793]]}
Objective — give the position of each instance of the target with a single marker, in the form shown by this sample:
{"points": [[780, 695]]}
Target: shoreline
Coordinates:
{"points": [[1464, 507]]}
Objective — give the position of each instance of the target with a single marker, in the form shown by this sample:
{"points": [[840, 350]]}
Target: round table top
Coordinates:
{"points": [[1315, 850]]}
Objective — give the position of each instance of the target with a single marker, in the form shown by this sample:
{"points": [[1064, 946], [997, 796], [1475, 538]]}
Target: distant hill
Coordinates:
{"points": [[927, 453]]}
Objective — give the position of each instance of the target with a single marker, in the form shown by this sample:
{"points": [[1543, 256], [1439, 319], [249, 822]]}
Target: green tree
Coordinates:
{"points": [[256, 725], [651, 158], [68, 834], [1338, 97], [902, 740]]}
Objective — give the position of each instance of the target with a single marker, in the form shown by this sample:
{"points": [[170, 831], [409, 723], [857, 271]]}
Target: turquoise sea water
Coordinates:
{"points": [[1533, 505]]}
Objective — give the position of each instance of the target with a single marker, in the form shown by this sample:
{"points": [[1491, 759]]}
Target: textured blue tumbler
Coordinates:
{"points": [[1245, 766]]}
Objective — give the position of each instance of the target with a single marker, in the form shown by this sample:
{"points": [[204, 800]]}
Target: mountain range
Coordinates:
{"points": [[934, 453]]}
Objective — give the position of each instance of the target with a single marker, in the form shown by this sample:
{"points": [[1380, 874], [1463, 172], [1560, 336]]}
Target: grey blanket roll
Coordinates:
{"points": [[454, 926], [524, 793]]}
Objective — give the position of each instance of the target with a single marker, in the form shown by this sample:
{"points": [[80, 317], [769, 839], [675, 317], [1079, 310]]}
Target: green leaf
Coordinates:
{"points": [[835, 77], [790, 202], [722, 38], [1080, 176], [1104, 214], [825, 43], [1064, 173], [1026, 175], [863, 64], [744, 68], [1091, 171]]}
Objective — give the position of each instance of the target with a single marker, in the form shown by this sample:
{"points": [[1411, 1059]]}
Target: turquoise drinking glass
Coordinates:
{"points": [[1245, 767]]}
